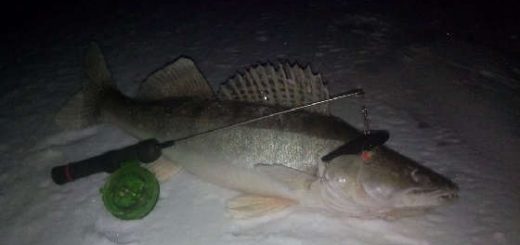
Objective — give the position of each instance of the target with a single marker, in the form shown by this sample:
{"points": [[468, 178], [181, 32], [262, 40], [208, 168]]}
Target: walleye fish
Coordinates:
{"points": [[276, 162]]}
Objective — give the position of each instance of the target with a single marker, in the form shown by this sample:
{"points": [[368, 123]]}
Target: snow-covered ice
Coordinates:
{"points": [[450, 105]]}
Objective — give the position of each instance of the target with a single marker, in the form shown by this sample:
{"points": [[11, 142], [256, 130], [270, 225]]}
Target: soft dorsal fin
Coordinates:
{"points": [[178, 79], [282, 84]]}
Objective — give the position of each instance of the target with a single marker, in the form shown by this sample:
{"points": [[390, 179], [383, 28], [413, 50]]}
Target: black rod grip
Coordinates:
{"points": [[144, 151]]}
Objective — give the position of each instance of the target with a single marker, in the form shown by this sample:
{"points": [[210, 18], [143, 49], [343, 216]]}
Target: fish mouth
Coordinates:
{"points": [[437, 195], [448, 196]]}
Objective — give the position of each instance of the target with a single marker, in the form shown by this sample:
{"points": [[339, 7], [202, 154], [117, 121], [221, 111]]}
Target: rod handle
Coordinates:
{"points": [[145, 151]]}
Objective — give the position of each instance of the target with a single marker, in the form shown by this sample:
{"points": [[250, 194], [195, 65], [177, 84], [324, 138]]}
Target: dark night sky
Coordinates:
{"points": [[490, 23]]}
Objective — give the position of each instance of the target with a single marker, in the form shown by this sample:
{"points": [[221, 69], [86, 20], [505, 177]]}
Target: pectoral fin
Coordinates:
{"points": [[292, 178], [252, 206]]}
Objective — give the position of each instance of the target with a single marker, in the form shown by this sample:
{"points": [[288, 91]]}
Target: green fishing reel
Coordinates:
{"points": [[131, 192]]}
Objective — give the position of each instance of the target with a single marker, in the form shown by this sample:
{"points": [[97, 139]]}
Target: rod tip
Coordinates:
{"points": [[359, 91]]}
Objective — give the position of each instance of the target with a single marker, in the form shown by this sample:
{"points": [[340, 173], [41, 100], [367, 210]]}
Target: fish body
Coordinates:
{"points": [[278, 157], [296, 140]]}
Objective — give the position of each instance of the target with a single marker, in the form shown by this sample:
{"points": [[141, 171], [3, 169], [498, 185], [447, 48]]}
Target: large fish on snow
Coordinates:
{"points": [[276, 162]]}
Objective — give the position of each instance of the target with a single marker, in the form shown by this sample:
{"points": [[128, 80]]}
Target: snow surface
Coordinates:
{"points": [[450, 105]]}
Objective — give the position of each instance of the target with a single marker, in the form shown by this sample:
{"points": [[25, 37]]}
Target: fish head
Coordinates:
{"points": [[383, 179], [393, 179]]}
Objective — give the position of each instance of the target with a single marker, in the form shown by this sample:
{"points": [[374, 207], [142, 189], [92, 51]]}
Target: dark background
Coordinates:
{"points": [[494, 24]]}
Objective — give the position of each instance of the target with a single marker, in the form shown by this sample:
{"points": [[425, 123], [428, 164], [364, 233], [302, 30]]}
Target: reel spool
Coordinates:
{"points": [[131, 192]]}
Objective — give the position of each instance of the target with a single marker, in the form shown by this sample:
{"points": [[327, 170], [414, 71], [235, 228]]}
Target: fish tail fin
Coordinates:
{"points": [[83, 109], [96, 67]]}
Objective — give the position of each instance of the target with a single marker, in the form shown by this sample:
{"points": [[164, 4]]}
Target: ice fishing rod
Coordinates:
{"points": [[147, 151]]}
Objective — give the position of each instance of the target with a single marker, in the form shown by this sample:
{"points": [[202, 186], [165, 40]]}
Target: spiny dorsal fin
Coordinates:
{"points": [[179, 79], [282, 84]]}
